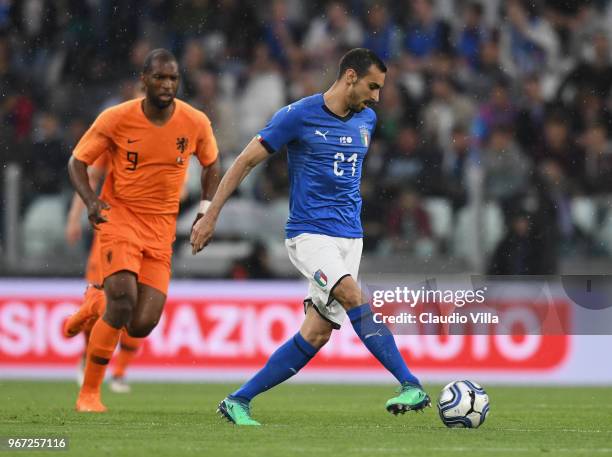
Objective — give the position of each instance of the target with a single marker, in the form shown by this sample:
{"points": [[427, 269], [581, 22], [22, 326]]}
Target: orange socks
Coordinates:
{"points": [[128, 348], [101, 346]]}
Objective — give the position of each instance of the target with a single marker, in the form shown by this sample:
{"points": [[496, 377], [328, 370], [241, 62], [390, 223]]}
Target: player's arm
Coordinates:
{"points": [[209, 180], [253, 154], [77, 170], [73, 223]]}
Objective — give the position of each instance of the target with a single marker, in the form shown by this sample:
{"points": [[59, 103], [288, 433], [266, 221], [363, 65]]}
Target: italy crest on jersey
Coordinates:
{"points": [[364, 133]]}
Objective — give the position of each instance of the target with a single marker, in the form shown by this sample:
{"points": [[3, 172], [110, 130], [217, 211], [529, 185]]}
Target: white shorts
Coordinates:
{"points": [[325, 260]]}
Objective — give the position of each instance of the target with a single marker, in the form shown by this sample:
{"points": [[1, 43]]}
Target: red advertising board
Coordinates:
{"points": [[238, 332]]}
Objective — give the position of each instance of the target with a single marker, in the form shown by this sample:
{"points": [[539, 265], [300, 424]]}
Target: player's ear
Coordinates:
{"points": [[351, 76]]}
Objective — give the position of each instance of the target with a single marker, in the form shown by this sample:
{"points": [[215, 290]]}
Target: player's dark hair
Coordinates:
{"points": [[160, 54], [360, 60]]}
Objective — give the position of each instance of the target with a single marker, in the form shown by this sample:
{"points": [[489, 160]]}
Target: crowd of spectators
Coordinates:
{"points": [[510, 96]]}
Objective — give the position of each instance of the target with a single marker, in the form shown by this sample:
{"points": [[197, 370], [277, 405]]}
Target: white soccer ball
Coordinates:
{"points": [[463, 404]]}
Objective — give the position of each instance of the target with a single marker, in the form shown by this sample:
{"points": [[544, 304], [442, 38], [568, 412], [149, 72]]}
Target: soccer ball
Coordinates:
{"points": [[463, 404]]}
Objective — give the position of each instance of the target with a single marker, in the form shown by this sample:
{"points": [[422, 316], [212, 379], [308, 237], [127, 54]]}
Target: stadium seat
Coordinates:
{"points": [[584, 214], [441, 217], [469, 241], [43, 225]]}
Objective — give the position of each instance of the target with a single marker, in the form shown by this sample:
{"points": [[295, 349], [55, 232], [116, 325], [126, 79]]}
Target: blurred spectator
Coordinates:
{"points": [[333, 32], [598, 160], [500, 110], [557, 146], [381, 35], [480, 80], [46, 161], [532, 110], [239, 24], [425, 33], [454, 167], [129, 89], [514, 255], [281, 35], [262, 95], [373, 210], [506, 168], [273, 182], [193, 62], [413, 162], [446, 110], [408, 225], [472, 35], [528, 42], [593, 73], [219, 109]]}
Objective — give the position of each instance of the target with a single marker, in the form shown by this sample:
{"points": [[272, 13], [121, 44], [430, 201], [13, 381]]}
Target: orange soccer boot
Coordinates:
{"points": [[89, 402], [91, 309]]}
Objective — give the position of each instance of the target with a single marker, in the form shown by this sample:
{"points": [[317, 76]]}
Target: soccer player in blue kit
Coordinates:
{"points": [[327, 137]]}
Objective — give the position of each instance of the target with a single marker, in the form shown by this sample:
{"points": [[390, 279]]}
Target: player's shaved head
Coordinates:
{"points": [[157, 55], [360, 60]]}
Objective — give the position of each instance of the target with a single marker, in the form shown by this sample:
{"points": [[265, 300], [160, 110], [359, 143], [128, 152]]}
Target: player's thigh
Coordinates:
{"points": [[319, 259], [315, 329], [147, 312], [120, 248], [347, 291]]}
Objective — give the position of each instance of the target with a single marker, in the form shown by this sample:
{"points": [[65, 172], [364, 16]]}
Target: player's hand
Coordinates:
{"points": [[73, 232], [202, 232], [197, 218], [94, 212]]}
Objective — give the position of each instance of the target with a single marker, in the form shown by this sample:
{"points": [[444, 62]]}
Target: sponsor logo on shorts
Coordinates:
{"points": [[320, 278]]}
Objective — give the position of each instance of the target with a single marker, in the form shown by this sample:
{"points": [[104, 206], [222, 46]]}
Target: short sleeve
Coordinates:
{"points": [[281, 129], [207, 150], [96, 141]]}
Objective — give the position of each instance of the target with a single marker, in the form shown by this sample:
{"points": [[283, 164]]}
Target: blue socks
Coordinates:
{"points": [[286, 361], [380, 342]]}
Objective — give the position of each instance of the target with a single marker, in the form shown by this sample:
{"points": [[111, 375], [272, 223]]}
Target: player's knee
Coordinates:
{"points": [[348, 293], [317, 338], [141, 329], [119, 308], [349, 298]]}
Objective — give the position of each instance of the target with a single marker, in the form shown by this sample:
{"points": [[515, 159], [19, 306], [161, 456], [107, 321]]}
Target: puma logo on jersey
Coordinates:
{"points": [[323, 134]]}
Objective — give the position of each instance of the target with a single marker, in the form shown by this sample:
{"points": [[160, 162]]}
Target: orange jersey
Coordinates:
{"points": [[147, 162]]}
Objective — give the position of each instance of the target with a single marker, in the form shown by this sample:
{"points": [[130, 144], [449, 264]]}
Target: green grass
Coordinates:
{"points": [[306, 420]]}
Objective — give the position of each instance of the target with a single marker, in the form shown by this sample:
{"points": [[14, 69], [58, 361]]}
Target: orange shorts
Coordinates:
{"points": [[93, 274], [141, 243]]}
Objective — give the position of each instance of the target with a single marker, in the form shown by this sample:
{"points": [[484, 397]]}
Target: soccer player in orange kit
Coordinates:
{"points": [[94, 304], [149, 141]]}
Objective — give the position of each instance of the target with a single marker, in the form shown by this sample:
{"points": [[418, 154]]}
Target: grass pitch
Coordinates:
{"points": [[306, 420]]}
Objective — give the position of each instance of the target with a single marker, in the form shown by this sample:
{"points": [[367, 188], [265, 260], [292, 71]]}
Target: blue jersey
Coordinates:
{"points": [[325, 156]]}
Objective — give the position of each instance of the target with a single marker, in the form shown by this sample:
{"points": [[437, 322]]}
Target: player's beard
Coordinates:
{"points": [[161, 104], [356, 104]]}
